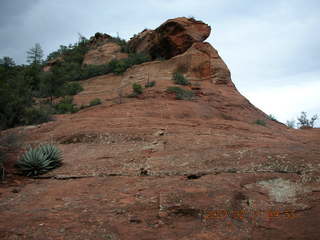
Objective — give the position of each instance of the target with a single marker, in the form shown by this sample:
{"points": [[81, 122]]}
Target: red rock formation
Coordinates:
{"points": [[98, 39], [173, 37], [104, 54]]}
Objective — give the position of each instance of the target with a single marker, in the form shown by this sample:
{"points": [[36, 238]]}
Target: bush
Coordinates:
{"points": [[120, 66], [39, 160], [116, 66], [271, 117], [37, 114], [260, 122], [150, 84], [178, 78], [89, 71], [291, 123], [8, 143], [181, 94], [72, 88], [66, 105], [95, 102], [304, 122], [137, 89]]}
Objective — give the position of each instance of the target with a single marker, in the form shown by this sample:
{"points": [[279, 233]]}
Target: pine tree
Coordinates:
{"points": [[35, 55]]}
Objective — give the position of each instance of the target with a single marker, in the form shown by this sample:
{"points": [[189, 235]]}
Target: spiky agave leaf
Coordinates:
{"points": [[40, 160], [53, 154]]}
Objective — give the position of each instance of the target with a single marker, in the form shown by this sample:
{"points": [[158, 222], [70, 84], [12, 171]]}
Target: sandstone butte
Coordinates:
{"points": [[154, 167]]}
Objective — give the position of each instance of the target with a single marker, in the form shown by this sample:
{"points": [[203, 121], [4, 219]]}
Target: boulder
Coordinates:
{"points": [[173, 37], [104, 54]]}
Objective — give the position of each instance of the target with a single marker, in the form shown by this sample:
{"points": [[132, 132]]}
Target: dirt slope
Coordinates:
{"points": [[154, 167]]}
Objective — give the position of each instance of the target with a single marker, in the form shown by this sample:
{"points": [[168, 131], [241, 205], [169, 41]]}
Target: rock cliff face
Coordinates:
{"points": [[102, 50], [104, 54], [154, 167], [173, 37]]}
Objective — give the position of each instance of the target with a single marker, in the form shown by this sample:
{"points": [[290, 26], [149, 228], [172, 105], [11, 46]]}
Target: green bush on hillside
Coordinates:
{"points": [[180, 79], [95, 102], [37, 114], [72, 88], [150, 84], [66, 105], [181, 94], [137, 88], [271, 117], [260, 122]]}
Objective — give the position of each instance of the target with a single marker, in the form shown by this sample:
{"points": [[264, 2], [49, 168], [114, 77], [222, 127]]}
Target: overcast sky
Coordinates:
{"points": [[271, 47]]}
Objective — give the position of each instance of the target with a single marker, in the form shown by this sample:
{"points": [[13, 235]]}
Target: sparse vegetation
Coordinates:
{"points": [[181, 94], [114, 66], [180, 79], [95, 102], [291, 123], [37, 161], [137, 88], [8, 143], [72, 88], [150, 84], [38, 114], [271, 117], [260, 122], [304, 122], [66, 105]]}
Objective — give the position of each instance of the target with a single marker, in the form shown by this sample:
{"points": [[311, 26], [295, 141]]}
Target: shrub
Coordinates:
{"points": [[37, 115], [72, 88], [260, 122], [137, 89], [8, 143], [39, 160], [150, 84], [178, 78], [89, 71], [95, 102], [303, 120], [66, 105], [181, 94], [291, 123], [120, 66], [271, 117]]}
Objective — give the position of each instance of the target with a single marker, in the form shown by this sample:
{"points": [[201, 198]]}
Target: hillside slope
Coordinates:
{"points": [[154, 167]]}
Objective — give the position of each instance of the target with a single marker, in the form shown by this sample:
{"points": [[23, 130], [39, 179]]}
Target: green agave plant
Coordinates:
{"points": [[40, 160]]}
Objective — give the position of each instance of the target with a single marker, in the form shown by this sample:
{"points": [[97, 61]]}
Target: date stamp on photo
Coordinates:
{"points": [[249, 214]]}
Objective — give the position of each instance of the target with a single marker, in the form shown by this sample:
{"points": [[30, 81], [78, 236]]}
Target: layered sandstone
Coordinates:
{"points": [[173, 37]]}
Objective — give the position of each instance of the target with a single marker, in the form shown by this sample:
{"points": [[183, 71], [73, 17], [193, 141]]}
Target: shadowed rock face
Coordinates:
{"points": [[173, 37]]}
